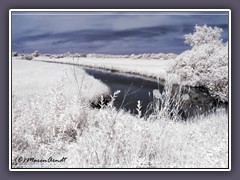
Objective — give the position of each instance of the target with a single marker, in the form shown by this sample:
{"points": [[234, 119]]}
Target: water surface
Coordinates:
{"points": [[133, 88]]}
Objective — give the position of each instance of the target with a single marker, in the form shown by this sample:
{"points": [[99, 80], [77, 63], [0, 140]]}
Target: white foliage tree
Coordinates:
{"points": [[204, 35], [206, 64]]}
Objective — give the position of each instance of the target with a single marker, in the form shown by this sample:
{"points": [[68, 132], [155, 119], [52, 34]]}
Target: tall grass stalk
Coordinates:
{"points": [[54, 125]]}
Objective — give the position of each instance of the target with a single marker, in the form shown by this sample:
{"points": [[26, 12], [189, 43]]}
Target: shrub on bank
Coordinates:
{"points": [[206, 64]]}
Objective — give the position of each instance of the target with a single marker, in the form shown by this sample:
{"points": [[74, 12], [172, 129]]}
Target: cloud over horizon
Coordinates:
{"points": [[112, 33]]}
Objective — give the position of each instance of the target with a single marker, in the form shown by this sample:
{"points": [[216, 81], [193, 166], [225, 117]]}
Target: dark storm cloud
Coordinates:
{"points": [[109, 34], [96, 35]]}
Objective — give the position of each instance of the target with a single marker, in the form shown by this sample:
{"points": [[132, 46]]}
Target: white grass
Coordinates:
{"points": [[150, 68], [57, 127], [29, 78], [49, 121]]}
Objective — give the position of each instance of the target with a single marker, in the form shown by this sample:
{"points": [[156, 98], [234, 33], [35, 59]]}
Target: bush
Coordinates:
{"points": [[28, 57], [36, 53], [14, 53], [206, 64]]}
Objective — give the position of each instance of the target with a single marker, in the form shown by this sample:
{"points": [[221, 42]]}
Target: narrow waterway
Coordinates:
{"points": [[197, 100], [132, 89]]}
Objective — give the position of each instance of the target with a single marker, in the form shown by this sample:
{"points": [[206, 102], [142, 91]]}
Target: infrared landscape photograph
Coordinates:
{"points": [[126, 89]]}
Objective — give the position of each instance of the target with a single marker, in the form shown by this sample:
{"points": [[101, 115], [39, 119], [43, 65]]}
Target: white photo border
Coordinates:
{"points": [[118, 10]]}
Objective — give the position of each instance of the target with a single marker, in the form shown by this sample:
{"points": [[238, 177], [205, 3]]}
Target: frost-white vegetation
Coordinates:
{"points": [[14, 53], [158, 56], [206, 64], [57, 126], [49, 121], [38, 77], [149, 68], [27, 57], [36, 53], [52, 117]]}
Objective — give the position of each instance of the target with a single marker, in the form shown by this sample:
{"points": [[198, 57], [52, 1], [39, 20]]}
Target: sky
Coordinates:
{"points": [[109, 32]]}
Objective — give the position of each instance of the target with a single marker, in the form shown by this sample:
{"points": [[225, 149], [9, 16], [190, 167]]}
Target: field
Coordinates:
{"points": [[29, 78], [145, 67], [52, 117]]}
